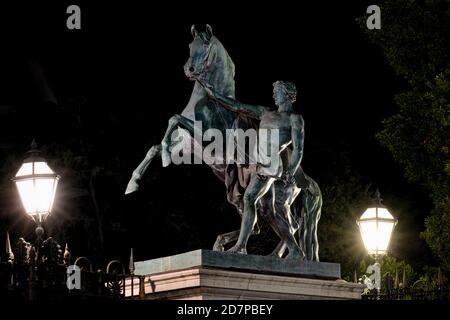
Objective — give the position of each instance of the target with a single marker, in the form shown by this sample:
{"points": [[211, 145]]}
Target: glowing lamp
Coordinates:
{"points": [[36, 183], [376, 226]]}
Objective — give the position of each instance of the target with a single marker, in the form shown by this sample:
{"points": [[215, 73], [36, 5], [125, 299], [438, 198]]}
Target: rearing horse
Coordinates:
{"points": [[209, 59]]}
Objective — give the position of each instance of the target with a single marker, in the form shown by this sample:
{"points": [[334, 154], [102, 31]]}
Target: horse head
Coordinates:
{"points": [[209, 60]]}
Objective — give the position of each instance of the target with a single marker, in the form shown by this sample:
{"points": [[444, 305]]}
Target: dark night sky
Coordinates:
{"points": [[127, 63]]}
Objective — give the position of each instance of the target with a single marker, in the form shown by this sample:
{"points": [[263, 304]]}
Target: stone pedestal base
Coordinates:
{"points": [[208, 275]]}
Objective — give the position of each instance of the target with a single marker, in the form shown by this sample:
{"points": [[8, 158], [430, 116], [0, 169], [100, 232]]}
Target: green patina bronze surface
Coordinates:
{"points": [[259, 193]]}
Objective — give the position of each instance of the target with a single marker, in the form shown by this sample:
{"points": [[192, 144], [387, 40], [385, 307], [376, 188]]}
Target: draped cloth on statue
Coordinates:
{"points": [[237, 176]]}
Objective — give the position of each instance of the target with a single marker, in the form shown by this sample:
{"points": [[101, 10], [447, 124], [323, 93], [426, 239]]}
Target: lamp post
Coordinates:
{"points": [[36, 183], [376, 226], [40, 270], [36, 265]]}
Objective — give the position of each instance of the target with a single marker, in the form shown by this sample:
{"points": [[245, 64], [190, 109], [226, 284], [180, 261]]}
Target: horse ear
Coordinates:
{"points": [[209, 31], [194, 31]]}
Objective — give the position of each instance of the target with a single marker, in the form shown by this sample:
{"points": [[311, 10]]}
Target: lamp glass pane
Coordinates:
{"points": [[369, 235], [44, 194], [384, 235], [25, 170], [37, 194], [371, 213], [42, 168], [52, 200], [384, 214], [26, 192], [376, 237]]}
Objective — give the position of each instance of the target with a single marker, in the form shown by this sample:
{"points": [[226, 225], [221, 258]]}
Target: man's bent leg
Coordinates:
{"points": [[257, 187]]}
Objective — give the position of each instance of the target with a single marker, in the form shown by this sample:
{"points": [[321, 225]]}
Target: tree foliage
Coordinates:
{"points": [[398, 268], [415, 39], [345, 198]]}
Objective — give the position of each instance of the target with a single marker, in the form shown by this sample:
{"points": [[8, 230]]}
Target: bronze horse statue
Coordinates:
{"points": [[210, 60]]}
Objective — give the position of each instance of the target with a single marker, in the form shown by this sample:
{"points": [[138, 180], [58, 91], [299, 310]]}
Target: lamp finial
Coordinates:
{"points": [[378, 196], [34, 144]]}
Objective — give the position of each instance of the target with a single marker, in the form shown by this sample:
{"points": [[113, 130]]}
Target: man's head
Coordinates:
{"points": [[284, 94]]}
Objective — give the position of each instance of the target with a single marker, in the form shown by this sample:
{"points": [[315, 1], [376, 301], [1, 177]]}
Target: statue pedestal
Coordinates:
{"points": [[210, 275]]}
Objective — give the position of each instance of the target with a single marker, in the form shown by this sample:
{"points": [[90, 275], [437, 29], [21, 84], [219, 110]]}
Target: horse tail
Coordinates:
{"points": [[311, 199]]}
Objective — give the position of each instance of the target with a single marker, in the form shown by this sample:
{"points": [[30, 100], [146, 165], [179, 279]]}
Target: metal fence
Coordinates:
{"points": [[42, 275], [420, 290]]}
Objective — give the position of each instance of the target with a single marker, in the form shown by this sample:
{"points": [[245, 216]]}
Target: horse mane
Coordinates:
{"points": [[229, 62], [223, 61]]}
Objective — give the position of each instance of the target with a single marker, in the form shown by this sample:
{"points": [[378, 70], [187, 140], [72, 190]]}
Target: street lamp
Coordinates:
{"points": [[36, 183], [376, 226], [35, 266], [40, 270]]}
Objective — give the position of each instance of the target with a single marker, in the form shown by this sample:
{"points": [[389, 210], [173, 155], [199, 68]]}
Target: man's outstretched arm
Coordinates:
{"points": [[233, 105]]}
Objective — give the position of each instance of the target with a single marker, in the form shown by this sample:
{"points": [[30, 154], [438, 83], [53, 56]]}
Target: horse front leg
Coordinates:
{"points": [[140, 170], [175, 121], [223, 239]]}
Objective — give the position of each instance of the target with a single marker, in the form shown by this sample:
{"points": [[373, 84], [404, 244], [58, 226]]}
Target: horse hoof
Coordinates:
{"points": [[274, 254], [165, 157], [295, 255], [218, 246], [237, 250], [132, 187]]}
